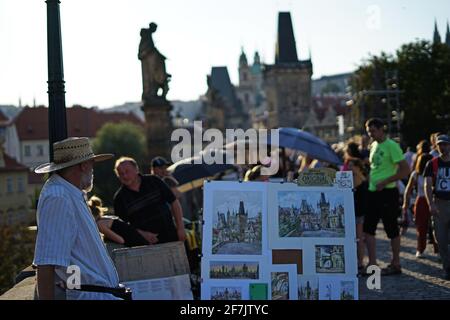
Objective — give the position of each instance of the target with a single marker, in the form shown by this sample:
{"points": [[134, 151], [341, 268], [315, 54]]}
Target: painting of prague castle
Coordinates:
{"points": [[237, 223], [310, 214]]}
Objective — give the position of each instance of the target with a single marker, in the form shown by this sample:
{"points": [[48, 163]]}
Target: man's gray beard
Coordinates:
{"points": [[87, 182]]}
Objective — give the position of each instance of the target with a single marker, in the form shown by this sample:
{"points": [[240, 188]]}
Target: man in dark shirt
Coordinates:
{"points": [[147, 203], [437, 192]]}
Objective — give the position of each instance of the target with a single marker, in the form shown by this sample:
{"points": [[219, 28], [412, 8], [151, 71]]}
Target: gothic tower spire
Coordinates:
{"points": [[436, 36], [286, 50], [447, 36]]}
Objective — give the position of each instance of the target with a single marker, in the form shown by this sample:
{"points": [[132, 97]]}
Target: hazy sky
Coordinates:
{"points": [[101, 39]]}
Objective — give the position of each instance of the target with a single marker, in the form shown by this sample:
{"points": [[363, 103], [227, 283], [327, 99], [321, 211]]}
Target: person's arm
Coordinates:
{"points": [[54, 242], [408, 191], [177, 213], [46, 282], [173, 184], [176, 192], [104, 226], [429, 195], [402, 173]]}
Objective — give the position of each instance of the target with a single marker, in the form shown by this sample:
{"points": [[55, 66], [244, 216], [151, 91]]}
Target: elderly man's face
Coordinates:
{"points": [[87, 176], [127, 173]]}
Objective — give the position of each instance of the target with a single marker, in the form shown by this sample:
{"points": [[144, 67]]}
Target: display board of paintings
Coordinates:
{"points": [[279, 241]]}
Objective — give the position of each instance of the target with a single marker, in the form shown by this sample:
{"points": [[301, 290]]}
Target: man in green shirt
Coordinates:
{"points": [[387, 166]]}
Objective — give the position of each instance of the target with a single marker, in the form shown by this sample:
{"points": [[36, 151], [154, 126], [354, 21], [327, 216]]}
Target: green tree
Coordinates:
{"points": [[16, 252], [423, 74], [123, 139]]}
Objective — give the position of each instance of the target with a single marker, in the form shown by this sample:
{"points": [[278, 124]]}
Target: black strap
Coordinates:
{"points": [[120, 292]]}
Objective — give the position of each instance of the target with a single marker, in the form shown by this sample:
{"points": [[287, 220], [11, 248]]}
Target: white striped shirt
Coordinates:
{"points": [[68, 235]]}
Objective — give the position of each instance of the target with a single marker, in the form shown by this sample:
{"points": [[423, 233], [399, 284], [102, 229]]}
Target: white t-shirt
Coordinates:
{"points": [[420, 183]]}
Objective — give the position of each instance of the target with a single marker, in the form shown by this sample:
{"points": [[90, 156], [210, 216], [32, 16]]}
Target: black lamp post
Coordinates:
{"points": [[57, 124]]}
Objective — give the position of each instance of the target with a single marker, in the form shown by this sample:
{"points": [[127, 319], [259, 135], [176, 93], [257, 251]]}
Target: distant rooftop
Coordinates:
{"points": [[32, 123], [220, 80]]}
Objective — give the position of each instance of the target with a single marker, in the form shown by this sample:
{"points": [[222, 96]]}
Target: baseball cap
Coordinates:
{"points": [[159, 162], [443, 138]]}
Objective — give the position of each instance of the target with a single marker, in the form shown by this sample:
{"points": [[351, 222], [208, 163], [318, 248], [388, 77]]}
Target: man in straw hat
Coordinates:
{"points": [[68, 243]]}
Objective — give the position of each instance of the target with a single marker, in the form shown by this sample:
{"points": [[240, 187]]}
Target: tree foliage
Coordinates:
{"points": [[423, 74], [16, 252], [123, 139]]}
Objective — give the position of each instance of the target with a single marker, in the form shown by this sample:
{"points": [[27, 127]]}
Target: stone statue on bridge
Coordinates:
{"points": [[154, 75]]}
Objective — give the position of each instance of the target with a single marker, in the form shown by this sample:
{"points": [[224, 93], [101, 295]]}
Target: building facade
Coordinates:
{"points": [[250, 90], [14, 201]]}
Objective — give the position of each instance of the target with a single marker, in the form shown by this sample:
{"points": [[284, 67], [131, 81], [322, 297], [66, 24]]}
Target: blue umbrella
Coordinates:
{"points": [[188, 170], [308, 143]]}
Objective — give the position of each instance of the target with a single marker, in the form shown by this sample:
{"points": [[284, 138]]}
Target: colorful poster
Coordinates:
{"points": [[308, 287], [283, 282]]}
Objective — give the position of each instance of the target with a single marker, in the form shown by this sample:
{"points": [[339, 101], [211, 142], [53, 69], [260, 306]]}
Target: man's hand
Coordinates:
{"points": [[181, 234], [151, 238]]}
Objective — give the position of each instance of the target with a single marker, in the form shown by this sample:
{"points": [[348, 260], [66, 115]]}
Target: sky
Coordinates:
{"points": [[101, 38]]}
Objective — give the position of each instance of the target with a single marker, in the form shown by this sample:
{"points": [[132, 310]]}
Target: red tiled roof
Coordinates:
{"points": [[32, 123], [12, 165]]}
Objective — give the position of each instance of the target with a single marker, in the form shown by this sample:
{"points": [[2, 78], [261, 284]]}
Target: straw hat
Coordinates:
{"points": [[69, 152]]}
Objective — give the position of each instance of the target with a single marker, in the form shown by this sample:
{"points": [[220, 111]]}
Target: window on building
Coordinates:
{"points": [[27, 151], [20, 185], [9, 185], [244, 76], [40, 150]]}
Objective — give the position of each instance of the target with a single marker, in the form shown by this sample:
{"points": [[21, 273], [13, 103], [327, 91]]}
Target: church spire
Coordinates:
{"points": [[243, 59], [447, 36], [436, 36], [286, 50], [256, 58]]}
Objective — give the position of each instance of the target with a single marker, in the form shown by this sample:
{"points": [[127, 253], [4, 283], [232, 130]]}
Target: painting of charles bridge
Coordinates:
{"points": [[237, 223], [311, 214]]}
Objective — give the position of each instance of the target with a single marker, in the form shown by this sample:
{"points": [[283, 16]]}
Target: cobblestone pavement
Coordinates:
{"points": [[421, 279]]}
